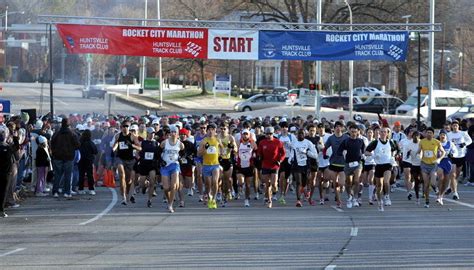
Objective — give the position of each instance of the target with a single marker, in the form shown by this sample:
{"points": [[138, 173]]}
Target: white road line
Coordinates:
{"points": [[11, 252], [337, 209], [106, 210], [330, 267], [354, 231], [445, 199]]}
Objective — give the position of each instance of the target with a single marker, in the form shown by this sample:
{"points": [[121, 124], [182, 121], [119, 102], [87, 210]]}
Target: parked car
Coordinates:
{"points": [[365, 92], [260, 101], [387, 104], [338, 102], [97, 91], [281, 90], [466, 112]]}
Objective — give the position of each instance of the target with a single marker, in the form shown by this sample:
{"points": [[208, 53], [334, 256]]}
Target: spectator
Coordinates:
{"points": [[88, 151], [43, 164], [63, 145]]}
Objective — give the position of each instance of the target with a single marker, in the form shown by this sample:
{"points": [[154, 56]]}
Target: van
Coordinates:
{"points": [[304, 97], [448, 100]]}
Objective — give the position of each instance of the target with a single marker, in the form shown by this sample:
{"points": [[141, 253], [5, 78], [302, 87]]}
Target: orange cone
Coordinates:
{"points": [[109, 180]]}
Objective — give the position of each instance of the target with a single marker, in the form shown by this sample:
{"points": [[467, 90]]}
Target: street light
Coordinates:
{"points": [[351, 68]]}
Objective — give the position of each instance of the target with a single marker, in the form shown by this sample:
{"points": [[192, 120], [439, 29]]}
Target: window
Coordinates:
{"points": [[259, 99], [270, 99], [455, 102], [377, 101], [441, 102]]}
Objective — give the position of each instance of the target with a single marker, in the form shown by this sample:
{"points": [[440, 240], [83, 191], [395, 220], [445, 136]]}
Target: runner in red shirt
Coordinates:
{"points": [[271, 153]]}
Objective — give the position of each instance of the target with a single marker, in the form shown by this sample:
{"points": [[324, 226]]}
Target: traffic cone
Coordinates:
{"points": [[109, 179]]}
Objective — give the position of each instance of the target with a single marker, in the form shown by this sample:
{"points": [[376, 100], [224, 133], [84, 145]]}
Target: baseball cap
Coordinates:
{"points": [[293, 129], [397, 124], [184, 131], [173, 128], [245, 131], [134, 127], [150, 130], [269, 130]]}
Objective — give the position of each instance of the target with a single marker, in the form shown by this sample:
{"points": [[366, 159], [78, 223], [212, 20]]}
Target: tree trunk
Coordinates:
{"points": [[306, 71], [203, 83], [402, 81]]}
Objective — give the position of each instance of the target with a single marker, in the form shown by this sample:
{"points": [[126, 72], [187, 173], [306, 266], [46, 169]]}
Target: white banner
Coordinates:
{"points": [[222, 84], [233, 45]]}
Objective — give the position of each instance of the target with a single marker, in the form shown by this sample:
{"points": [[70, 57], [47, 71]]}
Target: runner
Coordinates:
{"points": [[313, 162], [225, 162], [367, 175], [170, 149], [186, 165], [147, 164], [322, 179], [271, 152], [354, 148], [460, 139], [337, 163], [408, 146], [432, 153], [415, 169], [298, 159], [382, 151], [198, 137], [124, 144], [445, 168], [245, 163], [209, 150], [285, 169]]}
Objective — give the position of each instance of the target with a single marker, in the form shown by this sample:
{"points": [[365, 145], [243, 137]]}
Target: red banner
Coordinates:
{"points": [[135, 41]]}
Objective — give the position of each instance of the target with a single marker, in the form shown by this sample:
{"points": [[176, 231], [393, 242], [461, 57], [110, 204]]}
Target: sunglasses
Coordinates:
{"points": [[173, 131], [202, 127], [125, 126], [268, 133]]}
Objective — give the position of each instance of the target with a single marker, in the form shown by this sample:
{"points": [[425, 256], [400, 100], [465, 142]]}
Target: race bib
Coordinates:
{"points": [[212, 150], [428, 154], [97, 141], [353, 164], [123, 146], [149, 155]]}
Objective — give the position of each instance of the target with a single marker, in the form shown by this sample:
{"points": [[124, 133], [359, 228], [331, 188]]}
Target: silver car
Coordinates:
{"points": [[260, 101]]}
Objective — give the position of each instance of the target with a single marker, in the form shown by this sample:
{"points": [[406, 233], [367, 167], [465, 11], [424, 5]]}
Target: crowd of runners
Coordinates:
{"points": [[218, 159]]}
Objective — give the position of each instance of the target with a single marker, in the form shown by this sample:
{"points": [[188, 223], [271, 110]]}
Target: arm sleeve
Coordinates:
{"points": [[312, 152], [282, 152], [467, 138], [371, 147]]}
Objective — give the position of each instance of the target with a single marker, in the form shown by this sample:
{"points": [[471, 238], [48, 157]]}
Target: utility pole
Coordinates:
{"points": [[318, 64]]}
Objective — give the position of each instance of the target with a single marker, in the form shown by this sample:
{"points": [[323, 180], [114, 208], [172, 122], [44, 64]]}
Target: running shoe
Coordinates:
{"points": [[282, 200], [56, 195], [3, 215], [247, 203], [228, 197], [417, 202], [132, 199], [201, 198], [67, 196], [209, 204], [41, 194], [410, 195], [349, 202], [355, 203], [321, 201], [73, 193], [269, 205], [219, 197], [214, 204], [448, 191], [190, 192], [298, 203], [154, 193], [455, 196], [148, 204], [386, 200], [274, 197], [440, 201], [124, 202], [381, 207], [427, 205], [81, 192], [371, 202], [92, 192], [144, 189], [181, 204], [326, 199], [256, 196], [469, 184], [435, 188], [311, 202], [170, 209]]}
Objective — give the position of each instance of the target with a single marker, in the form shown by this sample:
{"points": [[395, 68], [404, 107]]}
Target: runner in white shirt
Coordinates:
{"points": [[460, 139], [408, 146], [367, 176], [285, 169], [415, 169], [298, 159], [322, 180]]}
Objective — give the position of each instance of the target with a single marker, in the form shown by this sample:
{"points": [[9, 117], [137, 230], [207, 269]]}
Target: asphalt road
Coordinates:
{"points": [[47, 233]]}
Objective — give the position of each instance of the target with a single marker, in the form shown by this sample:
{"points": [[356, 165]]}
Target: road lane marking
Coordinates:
{"points": [[354, 231], [337, 209], [330, 267], [11, 252], [445, 199], [106, 210]]}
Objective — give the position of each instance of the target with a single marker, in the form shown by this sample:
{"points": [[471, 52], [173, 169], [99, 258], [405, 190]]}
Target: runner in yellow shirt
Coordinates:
{"points": [[209, 150], [432, 153]]}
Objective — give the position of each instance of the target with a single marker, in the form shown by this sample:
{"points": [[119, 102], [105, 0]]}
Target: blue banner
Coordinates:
{"points": [[4, 106], [332, 46]]}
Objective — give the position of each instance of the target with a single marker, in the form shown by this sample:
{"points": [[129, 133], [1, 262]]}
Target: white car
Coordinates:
{"points": [[365, 92]]}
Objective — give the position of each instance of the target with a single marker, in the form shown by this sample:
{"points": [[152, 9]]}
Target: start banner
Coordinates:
{"points": [[135, 41], [233, 44], [332, 46]]}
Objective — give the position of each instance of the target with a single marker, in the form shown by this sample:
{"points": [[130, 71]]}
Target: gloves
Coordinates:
{"points": [[230, 146], [207, 145]]}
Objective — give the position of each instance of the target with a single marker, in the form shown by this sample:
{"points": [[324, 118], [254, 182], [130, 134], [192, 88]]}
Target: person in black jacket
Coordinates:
{"points": [[8, 155], [43, 164], [88, 151]]}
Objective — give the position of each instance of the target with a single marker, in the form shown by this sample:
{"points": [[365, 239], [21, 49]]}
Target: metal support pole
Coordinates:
{"points": [[318, 65], [160, 70], [51, 94], [418, 88], [351, 70], [143, 62], [431, 61]]}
